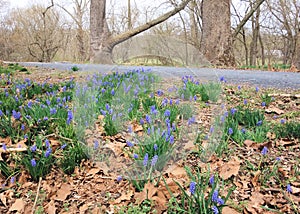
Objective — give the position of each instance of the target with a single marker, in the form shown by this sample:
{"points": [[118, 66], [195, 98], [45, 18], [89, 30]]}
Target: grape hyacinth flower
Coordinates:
{"points": [[145, 162], [289, 188], [16, 115], [167, 113], [33, 162], [230, 131], [215, 196], [63, 146], [193, 187], [33, 148], [259, 123], [12, 180], [155, 147], [129, 144], [48, 152], [215, 210], [70, 117], [154, 160], [4, 147], [282, 121], [135, 156], [47, 143], [212, 180], [263, 104], [96, 144], [264, 151], [53, 111], [119, 178]]}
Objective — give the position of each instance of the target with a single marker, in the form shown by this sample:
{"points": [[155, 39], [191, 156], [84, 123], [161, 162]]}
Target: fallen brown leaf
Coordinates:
{"points": [[18, 206], [63, 192], [148, 192], [231, 168]]}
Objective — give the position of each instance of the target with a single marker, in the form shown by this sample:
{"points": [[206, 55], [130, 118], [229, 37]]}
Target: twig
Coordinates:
{"points": [[37, 195]]}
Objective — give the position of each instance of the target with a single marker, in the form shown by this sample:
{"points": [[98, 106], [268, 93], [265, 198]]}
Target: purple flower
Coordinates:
{"points": [[243, 130], [277, 159], [107, 106], [70, 117], [146, 157], [193, 187], [33, 148], [154, 160], [167, 113], [113, 92], [222, 79], [129, 144], [22, 127], [245, 102], [33, 162], [160, 92], [142, 122], [96, 144], [220, 201], [256, 89], [191, 120], [63, 146], [215, 210], [233, 111], [119, 178], [47, 143], [103, 112], [263, 104], [135, 156], [259, 123], [239, 87], [148, 118], [16, 115], [215, 196], [46, 118], [230, 131], [282, 121], [264, 151], [212, 180], [48, 152], [195, 98], [171, 140], [155, 147], [12, 180], [4, 147], [289, 188], [53, 111]]}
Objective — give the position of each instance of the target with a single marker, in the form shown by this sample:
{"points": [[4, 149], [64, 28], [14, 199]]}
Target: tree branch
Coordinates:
{"points": [[128, 34], [246, 18]]}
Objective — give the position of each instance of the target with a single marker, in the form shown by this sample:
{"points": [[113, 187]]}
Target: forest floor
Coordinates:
{"points": [[262, 181]]}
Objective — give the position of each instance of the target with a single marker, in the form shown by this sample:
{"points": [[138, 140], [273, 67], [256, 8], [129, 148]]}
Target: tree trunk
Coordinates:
{"points": [[102, 42], [296, 60], [216, 35], [255, 36]]}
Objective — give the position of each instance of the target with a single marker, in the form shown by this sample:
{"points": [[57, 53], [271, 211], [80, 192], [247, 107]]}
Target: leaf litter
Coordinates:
{"points": [[93, 188]]}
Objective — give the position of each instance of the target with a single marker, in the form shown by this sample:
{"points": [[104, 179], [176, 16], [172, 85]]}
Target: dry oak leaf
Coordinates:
{"points": [[274, 110], [176, 171], [63, 192], [3, 199], [228, 210], [18, 206], [124, 197], [51, 209], [229, 169], [148, 192]]}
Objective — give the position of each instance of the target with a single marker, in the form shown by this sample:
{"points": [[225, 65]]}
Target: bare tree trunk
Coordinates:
{"points": [[296, 60], [102, 43], [100, 49], [129, 15], [216, 37], [255, 35], [263, 59]]}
